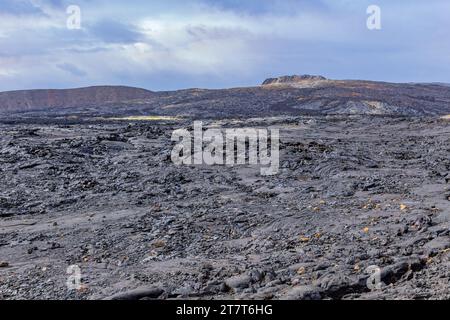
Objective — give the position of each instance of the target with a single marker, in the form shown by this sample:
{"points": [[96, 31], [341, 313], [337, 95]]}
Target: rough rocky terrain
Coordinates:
{"points": [[352, 192]]}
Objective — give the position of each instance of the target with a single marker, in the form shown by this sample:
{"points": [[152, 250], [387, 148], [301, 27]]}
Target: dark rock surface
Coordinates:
{"points": [[352, 192], [283, 96]]}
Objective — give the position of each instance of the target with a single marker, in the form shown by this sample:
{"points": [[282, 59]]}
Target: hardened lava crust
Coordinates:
{"points": [[353, 194]]}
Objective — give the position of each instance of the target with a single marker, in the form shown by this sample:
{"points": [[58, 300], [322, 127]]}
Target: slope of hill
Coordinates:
{"points": [[19, 101], [287, 95]]}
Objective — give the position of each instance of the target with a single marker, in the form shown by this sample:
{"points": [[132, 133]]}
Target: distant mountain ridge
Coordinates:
{"points": [[285, 95], [24, 100]]}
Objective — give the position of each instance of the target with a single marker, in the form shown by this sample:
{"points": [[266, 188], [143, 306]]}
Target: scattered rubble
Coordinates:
{"points": [[351, 193]]}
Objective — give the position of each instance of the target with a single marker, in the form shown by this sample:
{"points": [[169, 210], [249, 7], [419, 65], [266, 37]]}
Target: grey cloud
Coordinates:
{"points": [[188, 47], [112, 31], [202, 32], [72, 69], [19, 7]]}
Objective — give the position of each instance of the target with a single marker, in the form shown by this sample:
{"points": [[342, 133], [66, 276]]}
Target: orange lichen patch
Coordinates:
{"points": [[366, 230], [304, 239], [301, 271], [403, 207], [159, 243], [371, 205]]}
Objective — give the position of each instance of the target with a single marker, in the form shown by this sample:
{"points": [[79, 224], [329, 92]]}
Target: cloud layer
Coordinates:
{"points": [[163, 45]]}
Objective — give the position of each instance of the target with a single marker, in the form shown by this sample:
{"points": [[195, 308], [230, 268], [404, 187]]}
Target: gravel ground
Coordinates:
{"points": [[352, 194]]}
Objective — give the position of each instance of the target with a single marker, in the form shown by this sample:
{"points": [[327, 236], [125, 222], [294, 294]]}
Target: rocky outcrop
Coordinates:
{"points": [[293, 79]]}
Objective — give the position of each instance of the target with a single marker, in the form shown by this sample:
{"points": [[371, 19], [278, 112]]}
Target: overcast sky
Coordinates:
{"points": [[170, 44]]}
